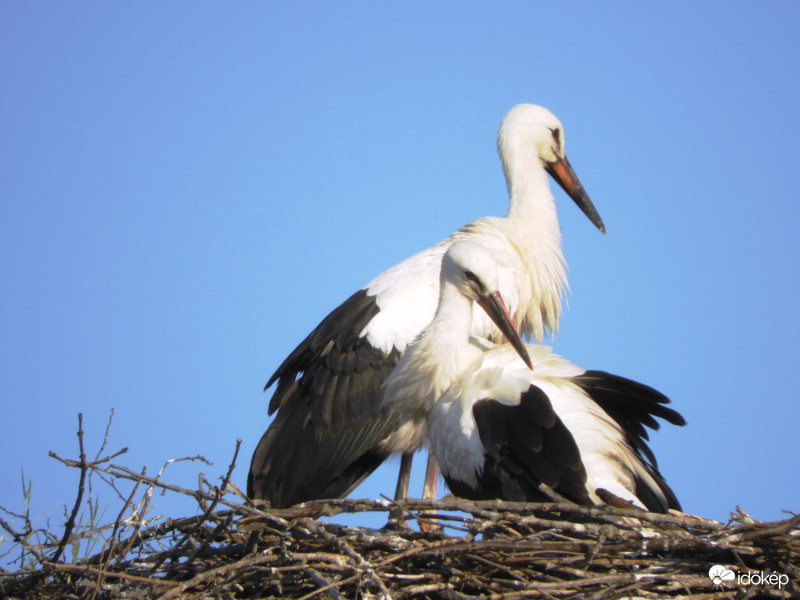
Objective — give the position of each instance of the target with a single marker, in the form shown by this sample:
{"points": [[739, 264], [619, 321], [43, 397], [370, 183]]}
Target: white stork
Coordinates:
{"points": [[329, 432], [502, 419]]}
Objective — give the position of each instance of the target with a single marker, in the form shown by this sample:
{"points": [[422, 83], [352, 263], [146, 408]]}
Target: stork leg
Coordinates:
{"points": [[431, 477], [429, 488], [401, 491], [403, 477]]}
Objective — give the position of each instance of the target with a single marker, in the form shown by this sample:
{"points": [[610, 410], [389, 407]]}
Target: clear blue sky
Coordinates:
{"points": [[189, 187]]}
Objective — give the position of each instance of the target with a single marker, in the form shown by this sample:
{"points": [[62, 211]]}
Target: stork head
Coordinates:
{"points": [[531, 130], [473, 271]]}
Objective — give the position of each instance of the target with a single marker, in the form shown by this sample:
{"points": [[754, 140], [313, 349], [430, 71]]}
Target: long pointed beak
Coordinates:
{"points": [[496, 309], [563, 173]]}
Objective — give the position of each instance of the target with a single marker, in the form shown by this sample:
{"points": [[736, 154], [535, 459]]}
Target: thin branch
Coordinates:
{"points": [[82, 480], [105, 436], [218, 492]]}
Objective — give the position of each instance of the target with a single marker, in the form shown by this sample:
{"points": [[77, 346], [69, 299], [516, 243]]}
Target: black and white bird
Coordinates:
{"points": [[501, 419], [329, 432]]}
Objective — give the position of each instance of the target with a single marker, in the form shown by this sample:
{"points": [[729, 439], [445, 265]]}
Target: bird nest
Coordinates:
{"points": [[450, 548]]}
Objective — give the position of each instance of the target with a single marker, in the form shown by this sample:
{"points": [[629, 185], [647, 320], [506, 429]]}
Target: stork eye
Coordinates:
{"points": [[556, 136], [476, 283]]}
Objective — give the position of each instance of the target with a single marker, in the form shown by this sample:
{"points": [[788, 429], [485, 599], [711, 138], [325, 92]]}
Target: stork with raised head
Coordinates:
{"points": [[329, 432], [502, 419]]}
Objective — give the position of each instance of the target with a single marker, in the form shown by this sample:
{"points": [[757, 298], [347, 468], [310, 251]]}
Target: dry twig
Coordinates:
{"points": [[496, 550]]}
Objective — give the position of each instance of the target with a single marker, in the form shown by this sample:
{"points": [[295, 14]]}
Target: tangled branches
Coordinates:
{"points": [[497, 550]]}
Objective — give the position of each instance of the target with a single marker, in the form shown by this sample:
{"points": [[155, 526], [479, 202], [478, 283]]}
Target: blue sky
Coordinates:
{"points": [[188, 188]]}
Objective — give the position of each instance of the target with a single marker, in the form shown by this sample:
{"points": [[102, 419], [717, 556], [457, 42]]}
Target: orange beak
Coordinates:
{"points": [[565, 176]]}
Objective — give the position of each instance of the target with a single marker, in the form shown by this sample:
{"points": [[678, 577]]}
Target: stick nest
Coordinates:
{"points": [[445, 549]]}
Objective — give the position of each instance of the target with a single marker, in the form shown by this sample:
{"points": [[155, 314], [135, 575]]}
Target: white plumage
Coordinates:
{"points": [[498, 429], [329, 432], [526, 242]]}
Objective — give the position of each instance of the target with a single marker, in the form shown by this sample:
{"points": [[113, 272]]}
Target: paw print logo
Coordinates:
{"points": [[719, 575]]}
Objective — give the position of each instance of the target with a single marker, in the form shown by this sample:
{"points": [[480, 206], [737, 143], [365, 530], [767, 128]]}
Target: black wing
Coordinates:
{"points": [[525, 445], [321, 443], [634, 405]]}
